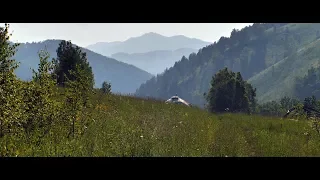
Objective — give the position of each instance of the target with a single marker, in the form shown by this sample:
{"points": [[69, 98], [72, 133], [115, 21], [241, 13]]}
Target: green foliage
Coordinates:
{"points": [[31, 111], [106, 87], [229, 90], [74, 73], [309, 84], [77, 95], [68, 57], [131, 127], [11, 106], [279, 108], [39, 97]]}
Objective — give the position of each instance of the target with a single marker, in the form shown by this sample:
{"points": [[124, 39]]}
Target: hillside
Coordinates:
{"points": [[250, 51], [126, 126], [154, 62], [124, 78], [279, 80], [146, 43]]}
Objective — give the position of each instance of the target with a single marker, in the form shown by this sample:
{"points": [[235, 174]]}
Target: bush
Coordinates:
{"points": [[106, 87]]}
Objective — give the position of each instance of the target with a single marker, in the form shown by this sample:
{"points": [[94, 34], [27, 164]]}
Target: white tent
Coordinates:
{"points": [[177, 100]]}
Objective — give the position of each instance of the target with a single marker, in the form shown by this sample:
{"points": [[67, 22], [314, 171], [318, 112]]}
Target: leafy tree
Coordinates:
{"points": [[11, 106], [78, 92], [39, 97], [310, 102], [106, 87], [279, 108], [229, 90], [270, 109]]}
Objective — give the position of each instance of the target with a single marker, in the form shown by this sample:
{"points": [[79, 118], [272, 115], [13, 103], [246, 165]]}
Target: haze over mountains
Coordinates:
{"points": [[146, 43], [124, 78], [151, 52]]}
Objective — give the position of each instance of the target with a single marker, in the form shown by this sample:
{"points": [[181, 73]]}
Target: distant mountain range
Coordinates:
{"points": [[154, 62], [151, 52], [124, 78], [146, 43]]}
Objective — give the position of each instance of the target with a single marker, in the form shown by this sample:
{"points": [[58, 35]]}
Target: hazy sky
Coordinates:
{"points": [[90, 33]]}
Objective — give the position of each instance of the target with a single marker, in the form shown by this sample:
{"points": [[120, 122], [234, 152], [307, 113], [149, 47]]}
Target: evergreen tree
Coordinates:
{"points": [[68, 57], [241, 101]]}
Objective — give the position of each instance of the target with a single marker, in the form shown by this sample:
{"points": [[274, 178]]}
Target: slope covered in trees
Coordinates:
{"points": [[280, 79], [124, 78], [249, 51]]}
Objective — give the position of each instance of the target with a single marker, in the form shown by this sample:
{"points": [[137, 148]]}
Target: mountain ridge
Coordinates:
{"points": [[147, 42]]}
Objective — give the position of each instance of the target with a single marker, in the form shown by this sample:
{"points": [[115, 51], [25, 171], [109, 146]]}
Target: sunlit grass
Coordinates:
{"points": [[128, 126]]}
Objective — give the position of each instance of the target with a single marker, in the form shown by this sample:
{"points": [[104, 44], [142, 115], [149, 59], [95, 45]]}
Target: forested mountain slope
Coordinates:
{"points": [[124, 78], [250, 51], [279, 80]]}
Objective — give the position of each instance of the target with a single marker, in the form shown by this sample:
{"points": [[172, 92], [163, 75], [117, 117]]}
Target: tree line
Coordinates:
{"points": [[230, 93]]}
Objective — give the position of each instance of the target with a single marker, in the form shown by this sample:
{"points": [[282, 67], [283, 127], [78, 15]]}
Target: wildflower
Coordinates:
{"points": [[141, 136]]}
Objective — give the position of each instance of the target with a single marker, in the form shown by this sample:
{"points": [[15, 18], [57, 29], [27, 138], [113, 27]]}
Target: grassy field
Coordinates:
{"points": [[127, 126]]}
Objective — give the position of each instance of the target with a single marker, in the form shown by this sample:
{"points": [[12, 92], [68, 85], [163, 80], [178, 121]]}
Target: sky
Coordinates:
{"points": [[84, 34]]}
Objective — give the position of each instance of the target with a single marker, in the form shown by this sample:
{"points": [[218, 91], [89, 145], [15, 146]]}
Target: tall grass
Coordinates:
{"points": [[128, 126]]}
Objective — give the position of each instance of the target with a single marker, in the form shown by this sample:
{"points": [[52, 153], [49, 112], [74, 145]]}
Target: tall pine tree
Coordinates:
{"points": [[68, 57]]}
